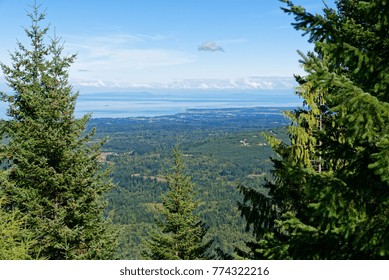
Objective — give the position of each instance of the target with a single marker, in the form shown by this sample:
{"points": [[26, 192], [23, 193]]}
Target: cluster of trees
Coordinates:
{"points": [[215, 163], [52, 181], [328, 197]]}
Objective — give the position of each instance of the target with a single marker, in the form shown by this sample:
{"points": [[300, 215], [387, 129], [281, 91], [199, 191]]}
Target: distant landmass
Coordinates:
{"points": [[231, 119], [160, 103]]}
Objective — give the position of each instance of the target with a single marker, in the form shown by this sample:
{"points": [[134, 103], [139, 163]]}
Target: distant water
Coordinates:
{"points": [[145, 104]]}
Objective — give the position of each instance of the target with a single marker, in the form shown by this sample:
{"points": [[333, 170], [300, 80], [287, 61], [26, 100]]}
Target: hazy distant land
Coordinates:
{"points": [[146, 104]]}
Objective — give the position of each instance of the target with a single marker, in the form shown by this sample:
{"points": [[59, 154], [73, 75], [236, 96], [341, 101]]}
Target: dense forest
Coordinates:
{"points": [[206, 184], [221, 149]]}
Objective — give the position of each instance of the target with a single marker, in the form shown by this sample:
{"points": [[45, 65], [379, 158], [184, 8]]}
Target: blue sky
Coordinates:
{"points": [[146, 44]]}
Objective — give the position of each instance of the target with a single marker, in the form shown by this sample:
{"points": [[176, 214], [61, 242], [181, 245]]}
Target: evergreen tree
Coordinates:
{"points": [[56, 179], [14, 242], [330, 194], [181, 232]]}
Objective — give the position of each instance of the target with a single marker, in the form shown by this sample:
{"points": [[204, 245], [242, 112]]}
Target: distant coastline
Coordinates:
{"points": [[145, 104], [154, 104]]}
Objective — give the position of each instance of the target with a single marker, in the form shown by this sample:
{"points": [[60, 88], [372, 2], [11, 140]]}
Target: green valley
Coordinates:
{"points": [[221, 149]]}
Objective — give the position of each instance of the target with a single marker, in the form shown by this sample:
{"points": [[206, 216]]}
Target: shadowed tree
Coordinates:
{"points": [[330, 195]]}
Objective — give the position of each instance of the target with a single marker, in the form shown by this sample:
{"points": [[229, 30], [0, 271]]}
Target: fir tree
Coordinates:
{"points": [[330, 194], [181, 232], [56, 180], [15, 243]]}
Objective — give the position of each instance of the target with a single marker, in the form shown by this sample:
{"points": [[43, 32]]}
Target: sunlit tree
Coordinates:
{"points": [[181, 232], [55, 178]]}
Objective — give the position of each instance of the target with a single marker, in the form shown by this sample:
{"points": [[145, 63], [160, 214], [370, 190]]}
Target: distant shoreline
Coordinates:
{"points": [[123, 105], [217, 113], [193, 111], [146, 105]]}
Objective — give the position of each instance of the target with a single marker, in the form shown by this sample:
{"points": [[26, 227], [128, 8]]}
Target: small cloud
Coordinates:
{"points": [[210, 46], [98, 83]]}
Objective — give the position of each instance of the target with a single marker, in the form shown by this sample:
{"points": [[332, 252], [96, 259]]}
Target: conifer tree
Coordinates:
{"points": [[14, 242], [54, 174], [330, 195], [181, 232]]}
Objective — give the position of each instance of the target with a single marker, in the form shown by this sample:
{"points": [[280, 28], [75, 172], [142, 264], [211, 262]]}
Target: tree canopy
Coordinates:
{"points": [[330, 195]]}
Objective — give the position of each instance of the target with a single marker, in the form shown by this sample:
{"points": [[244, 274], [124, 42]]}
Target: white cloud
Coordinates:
{"points": [[238, 83], [97, 84], [116, 57], [210, 46], [247, 83], [103, 59]]}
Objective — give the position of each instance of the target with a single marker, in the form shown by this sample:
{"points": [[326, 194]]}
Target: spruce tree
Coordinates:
{"points": [[15, 243], [181, 232], [330, 195], [55, 178]]}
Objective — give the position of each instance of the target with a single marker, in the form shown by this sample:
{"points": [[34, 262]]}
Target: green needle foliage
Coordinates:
{"points": [[181, 232], [55, 178], [15, 243], [330, 194]]}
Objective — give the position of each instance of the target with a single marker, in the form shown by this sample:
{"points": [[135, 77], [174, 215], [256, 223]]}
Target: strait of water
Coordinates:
{"points": [[145, 104]]}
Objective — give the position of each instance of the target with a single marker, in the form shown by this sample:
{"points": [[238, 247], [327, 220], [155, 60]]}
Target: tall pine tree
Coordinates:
{"points": [[330, 195], [54, 174], [181, 232]]}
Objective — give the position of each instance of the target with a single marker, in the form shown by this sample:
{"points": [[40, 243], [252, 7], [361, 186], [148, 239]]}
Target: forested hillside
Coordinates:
{"points": [[221, 148]]}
